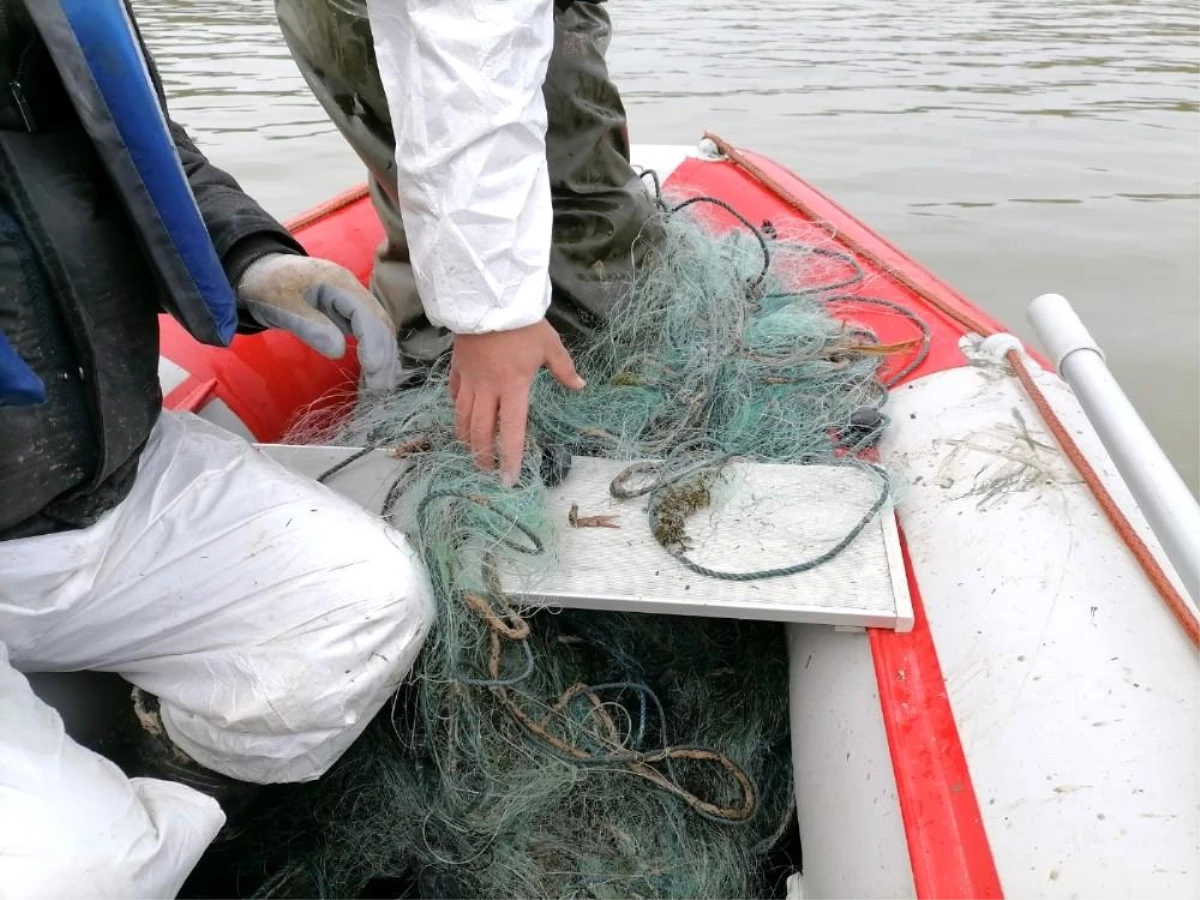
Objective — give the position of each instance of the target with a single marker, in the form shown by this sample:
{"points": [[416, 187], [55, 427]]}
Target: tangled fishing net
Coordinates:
{"points": [[581, 754]]}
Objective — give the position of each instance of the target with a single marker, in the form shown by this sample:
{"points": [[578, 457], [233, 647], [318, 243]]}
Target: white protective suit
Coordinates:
{"points": [[270, 616], [463, 80]]}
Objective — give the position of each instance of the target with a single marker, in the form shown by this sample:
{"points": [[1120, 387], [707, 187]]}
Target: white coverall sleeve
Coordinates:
{"points": [[463, 80]]}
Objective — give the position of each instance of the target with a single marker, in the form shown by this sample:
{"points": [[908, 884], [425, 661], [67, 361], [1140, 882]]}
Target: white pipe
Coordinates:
{"points": [[1162, 495]]}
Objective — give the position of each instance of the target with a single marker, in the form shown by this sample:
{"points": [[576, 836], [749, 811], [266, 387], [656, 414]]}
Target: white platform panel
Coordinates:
{"points": [[761, 517]]}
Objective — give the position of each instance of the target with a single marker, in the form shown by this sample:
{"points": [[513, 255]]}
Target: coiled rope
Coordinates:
{"points": [[1124, 528], [595, 736]]}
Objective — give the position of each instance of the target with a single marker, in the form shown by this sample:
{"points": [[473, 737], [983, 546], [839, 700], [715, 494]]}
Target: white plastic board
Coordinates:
{"points": [[762, 516]]}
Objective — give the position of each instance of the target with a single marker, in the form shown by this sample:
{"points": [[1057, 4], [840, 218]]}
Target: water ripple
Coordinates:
{"points": [[1015, 146]]}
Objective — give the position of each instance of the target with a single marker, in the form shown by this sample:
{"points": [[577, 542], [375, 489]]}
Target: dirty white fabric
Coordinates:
{"points": [[463, 80], [271, 616], [72, 825]]}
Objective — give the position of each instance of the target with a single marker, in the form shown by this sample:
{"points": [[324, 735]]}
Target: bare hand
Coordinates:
{"points": [[490, 378]]}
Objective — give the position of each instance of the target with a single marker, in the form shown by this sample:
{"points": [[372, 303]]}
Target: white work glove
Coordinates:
{"points": [[320, 302]]}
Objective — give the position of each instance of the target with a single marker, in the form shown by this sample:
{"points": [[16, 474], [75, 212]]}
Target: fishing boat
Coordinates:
{"points": [[1027, 724]]}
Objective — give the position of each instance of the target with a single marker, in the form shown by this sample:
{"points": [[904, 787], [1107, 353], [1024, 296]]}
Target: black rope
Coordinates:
{"points": [[658, 200], [400, 482], [758, 235], [349, 460], [782, 571], [619, 489], [926, 332], [813, 250], [533, 548], [841, 256]]}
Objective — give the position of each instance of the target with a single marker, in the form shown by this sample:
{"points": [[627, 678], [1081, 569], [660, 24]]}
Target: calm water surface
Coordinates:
{"points": [[1014, 147]]}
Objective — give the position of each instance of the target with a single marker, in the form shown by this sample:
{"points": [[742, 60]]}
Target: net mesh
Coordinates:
{"points": [[585, 754]]}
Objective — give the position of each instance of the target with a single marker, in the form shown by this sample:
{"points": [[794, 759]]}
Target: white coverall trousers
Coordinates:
{"points": [[270, 616]]}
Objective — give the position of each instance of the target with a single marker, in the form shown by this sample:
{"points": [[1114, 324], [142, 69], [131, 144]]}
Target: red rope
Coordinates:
{"points": [[1120, 522], [1176, 603]]}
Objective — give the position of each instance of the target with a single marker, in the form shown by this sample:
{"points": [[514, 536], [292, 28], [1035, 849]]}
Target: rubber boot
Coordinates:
{"points": [[605, 220], [141, 748]]}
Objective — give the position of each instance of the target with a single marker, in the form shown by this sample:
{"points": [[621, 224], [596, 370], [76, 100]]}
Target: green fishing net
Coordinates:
{"points": [[587, 754]]}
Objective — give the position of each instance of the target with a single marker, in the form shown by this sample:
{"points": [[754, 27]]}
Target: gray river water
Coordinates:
{"points": [[1014, 147]]}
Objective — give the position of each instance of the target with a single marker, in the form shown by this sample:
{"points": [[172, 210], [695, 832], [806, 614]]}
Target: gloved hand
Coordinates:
{"points": [[321, 303]]}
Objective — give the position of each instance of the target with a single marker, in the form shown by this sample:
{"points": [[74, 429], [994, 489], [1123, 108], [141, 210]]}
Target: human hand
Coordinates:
{"points": [[490, 378], [320, 302]]}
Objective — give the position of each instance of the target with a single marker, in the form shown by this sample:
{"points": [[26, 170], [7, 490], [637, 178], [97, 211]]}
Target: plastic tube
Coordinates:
{"points": [[1164, 498]]}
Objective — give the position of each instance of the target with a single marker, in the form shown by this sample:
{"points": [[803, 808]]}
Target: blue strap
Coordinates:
{"points": [[19, 385], [112, 52]]}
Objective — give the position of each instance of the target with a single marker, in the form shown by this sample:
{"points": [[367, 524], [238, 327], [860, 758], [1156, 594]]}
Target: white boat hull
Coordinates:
{"points": [[1074, 690]]}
